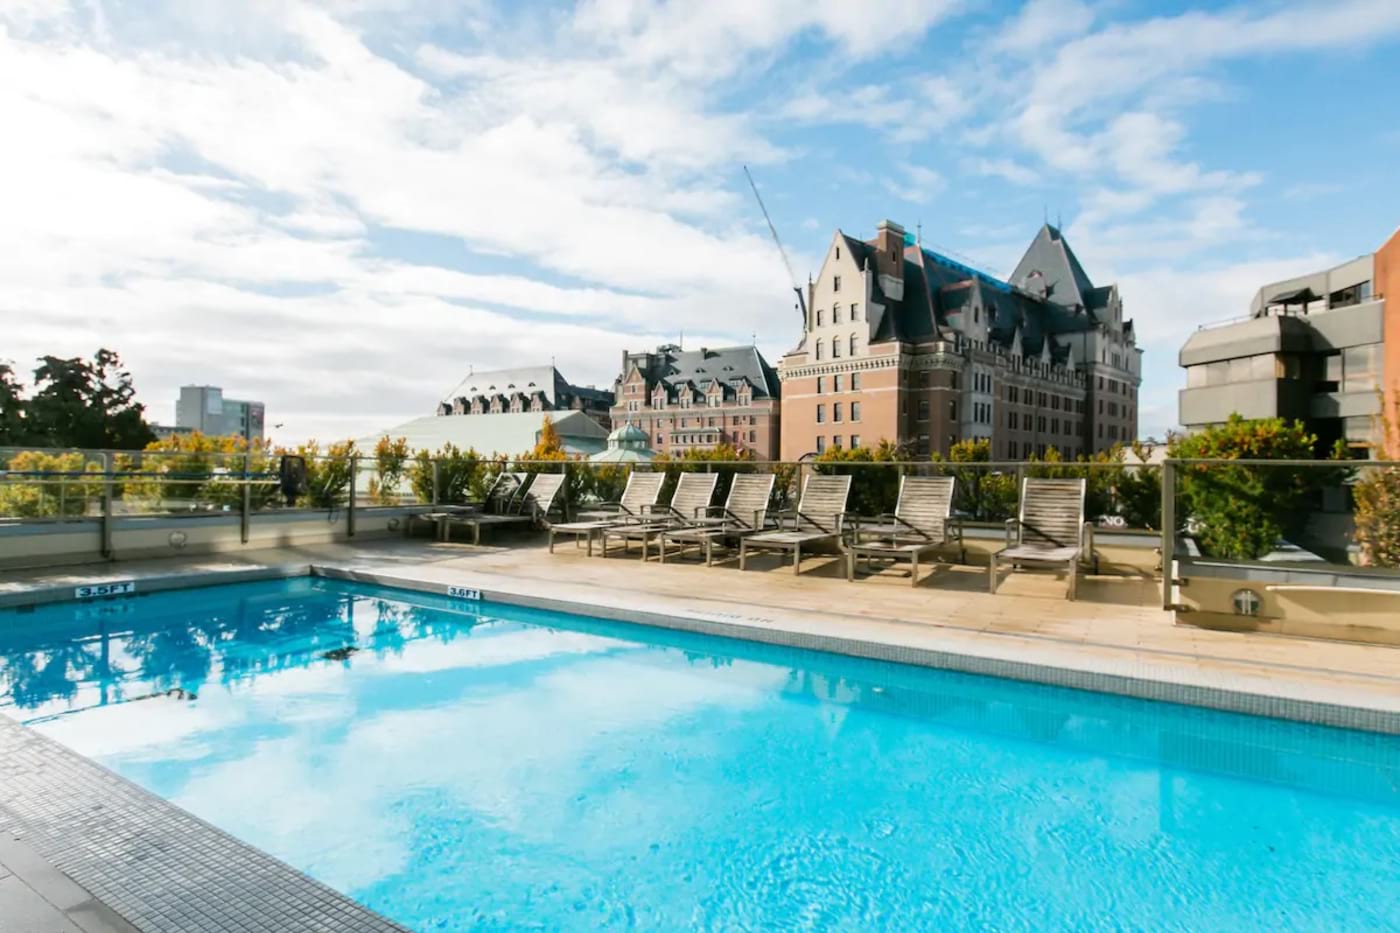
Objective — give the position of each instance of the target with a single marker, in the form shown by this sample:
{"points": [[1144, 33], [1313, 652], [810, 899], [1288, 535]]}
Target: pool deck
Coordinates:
{"points": [[1113, 638]]}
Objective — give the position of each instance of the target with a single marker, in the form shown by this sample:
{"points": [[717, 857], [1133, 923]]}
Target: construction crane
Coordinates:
{"points": [[796, 289]]}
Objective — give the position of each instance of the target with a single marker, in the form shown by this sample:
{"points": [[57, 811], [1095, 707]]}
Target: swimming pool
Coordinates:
{"points": [[457, 765]]}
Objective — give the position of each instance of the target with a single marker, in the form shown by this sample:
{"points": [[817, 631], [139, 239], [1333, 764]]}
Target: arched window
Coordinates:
{"points": [[851, 344], [821, 350]]}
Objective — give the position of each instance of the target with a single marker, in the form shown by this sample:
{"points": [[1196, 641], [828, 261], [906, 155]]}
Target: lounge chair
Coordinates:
{"points": [[538, 501], [816, 520], [688, 503], [920, 525], [501, 498], [744, 512], [1050, 529], [643, 489]]}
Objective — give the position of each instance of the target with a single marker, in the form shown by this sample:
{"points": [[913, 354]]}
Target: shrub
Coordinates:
{"points": [[328, 475], [458, 472], [47, 497], [981, 494], [1242, 512], [874, 489], [390, 465]]}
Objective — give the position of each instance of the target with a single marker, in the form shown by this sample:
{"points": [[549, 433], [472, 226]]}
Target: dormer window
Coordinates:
{"points": [[838, 252]]}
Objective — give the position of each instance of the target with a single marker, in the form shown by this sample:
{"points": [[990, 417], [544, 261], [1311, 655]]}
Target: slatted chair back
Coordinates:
{"points": [[1052, 512], [504, 493], [823, 501], [543, 491], [749, 496], [643, 489], [926, 502], [693, 494]]}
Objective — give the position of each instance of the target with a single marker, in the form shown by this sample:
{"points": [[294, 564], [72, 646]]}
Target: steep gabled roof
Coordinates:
{"points": [[1065, 281]]}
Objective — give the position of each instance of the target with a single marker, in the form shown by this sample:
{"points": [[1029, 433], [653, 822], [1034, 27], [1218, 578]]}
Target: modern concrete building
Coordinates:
{"points": [[535, 389], [207, 410], [904, 344], [1319, 348], [684, 399]]}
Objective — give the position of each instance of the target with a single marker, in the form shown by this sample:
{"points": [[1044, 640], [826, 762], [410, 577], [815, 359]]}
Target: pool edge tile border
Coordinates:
{"points": [[153, 583], [1179, 688], [118, 860]]}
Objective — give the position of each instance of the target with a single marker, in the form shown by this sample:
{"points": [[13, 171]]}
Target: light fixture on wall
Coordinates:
{"points": [[1246, 602]]}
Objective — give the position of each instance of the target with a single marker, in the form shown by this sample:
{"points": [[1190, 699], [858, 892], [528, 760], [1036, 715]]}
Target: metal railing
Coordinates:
{"points": [[1273, 513]]}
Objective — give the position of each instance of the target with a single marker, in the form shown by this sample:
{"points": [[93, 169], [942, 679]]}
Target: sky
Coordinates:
{"points": [[339, 208]]}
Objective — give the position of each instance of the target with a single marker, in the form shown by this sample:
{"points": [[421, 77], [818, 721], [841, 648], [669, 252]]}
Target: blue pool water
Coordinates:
{"points": [[489, 767]]}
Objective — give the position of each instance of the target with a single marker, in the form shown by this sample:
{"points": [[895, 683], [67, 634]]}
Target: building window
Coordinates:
{"points": [[753, 436], [922, 446], [855, 382], [838, 252], [855, 441], [835, 348], [836, 314], [952, 411], [836, 283], [923, 410], [753, 419], [851, 345], [821, 444], [821, 385], [836, 440], [821, 351], [836, 411], [855, 411], [821, 317], [855, 316], [821, 414]]}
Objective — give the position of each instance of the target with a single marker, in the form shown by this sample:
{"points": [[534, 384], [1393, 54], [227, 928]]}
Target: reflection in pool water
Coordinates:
{"points": [[478, 767]]}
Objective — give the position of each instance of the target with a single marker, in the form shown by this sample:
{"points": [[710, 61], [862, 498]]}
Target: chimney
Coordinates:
{"points": [[889, 258]]}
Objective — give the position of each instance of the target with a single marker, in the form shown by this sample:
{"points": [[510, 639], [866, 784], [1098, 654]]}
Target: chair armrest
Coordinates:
{"points": [[806, 517], [1086, 542], [1012, 527]]}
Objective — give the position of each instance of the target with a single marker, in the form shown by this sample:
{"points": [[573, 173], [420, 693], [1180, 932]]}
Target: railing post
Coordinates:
{"points": [[1168, 530], [435, 482], [247, 510], [107, 552], [350, 508]]}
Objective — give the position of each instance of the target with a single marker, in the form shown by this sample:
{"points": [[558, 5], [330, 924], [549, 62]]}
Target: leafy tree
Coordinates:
{"points": [[77, 403], [64, 489], [724, 459], [1377, 496], [1139, 490], [13, 430], [1242, 512]]}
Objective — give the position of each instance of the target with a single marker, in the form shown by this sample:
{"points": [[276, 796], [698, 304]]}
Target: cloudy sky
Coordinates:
{"points": [[340, 207]]}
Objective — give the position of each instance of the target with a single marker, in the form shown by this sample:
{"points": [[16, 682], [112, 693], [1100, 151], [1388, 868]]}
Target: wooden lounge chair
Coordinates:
{"points": [[643, 489], [539, 500], [502, 497], [744, 512], [816, 520], [921, 524], [688, 503], [1050, 529]]}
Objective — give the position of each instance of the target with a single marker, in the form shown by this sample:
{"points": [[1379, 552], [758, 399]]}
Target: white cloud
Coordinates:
{"points": [[1005, 169], [1043, 22], [918, 186]]}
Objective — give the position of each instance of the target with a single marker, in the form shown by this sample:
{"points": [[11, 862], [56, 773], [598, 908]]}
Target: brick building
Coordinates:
{"points": [[687, 399], [902, 343]]}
